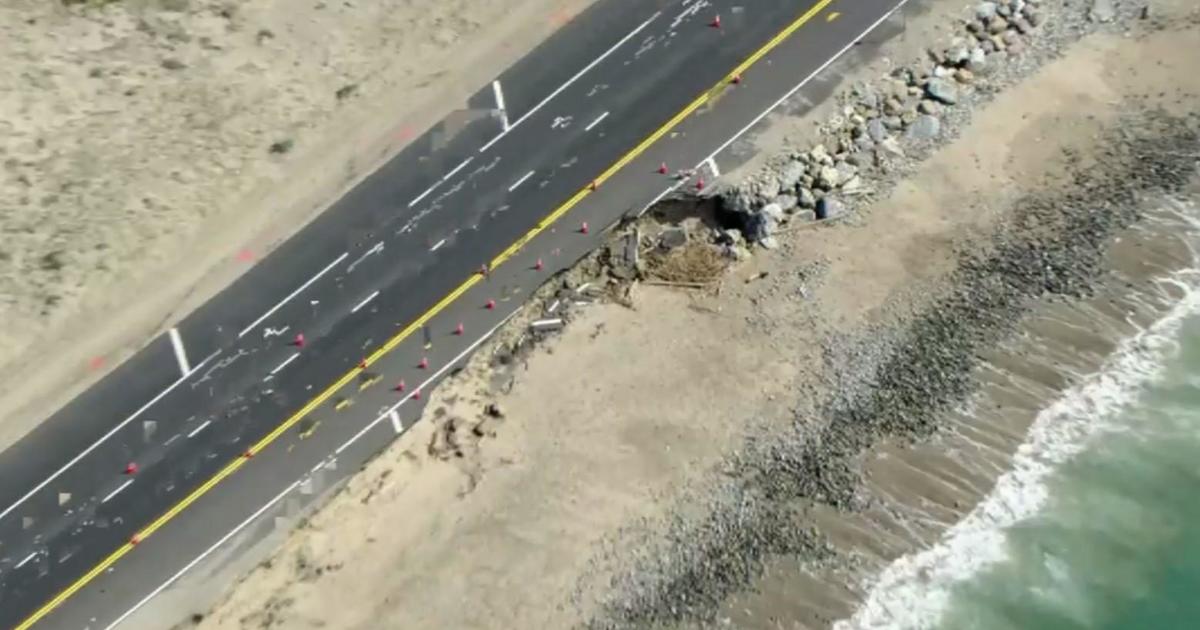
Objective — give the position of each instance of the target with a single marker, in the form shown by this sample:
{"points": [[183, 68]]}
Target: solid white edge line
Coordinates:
{"points": [[180, 352], [294, 293], [436, 375], [596, 122], [573, 79], [8, 510], [194, 432], [520, 181], [114, 493], [396, 424], [362, 303], [285, 363], [712, 166], [224, 539], [281, 495], [806, 79]]}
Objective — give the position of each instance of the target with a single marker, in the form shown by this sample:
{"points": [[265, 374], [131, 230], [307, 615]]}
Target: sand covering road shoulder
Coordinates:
{"points": [[610, 422], [136, 141]]}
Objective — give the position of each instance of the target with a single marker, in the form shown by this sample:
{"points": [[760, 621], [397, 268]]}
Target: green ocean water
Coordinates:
{"points": [[1116, 544], [1096, 524]]}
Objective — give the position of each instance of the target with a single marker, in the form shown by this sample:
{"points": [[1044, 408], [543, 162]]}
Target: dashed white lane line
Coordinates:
{"points": [[396, 424], [134, 416], [712, 166], [437, 245], [520, 181], [363, 303], [293, 294], [26, 560], [596, 122], [452, 173], [285, 363], [180, 352], [117, 491], [499, 94], [573, 79], [194, 432], [456, 169]]}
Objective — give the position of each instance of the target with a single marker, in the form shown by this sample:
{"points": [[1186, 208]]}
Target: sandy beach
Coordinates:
{"points": [[757, 451]]}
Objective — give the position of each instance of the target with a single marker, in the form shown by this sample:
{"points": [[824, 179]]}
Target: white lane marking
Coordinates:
{"points": [[269, 332], [362, 303], [773, 106], [437, 245], [396, 424], [188, 567], [573, 79], [596, 122], [194, 432], [452, 173], [808, 78], [712, 166], [423, 195], [26, 560], [456, 169], [284, 364], [180, 352], [171, 440], [279, 497], [432, 378], [377, 248], [293, 294], [134, 416], [498, 92], [117, 491], [520, 181]]}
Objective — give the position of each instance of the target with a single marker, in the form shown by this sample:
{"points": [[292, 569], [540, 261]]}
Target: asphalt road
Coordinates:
{"points": [[361, 275]]}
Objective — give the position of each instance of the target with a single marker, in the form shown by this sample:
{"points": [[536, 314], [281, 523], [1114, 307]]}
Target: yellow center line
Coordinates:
{"points": [[396, 340]]}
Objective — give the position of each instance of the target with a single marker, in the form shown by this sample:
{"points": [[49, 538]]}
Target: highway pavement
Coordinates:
{"points": [[228, 418]]}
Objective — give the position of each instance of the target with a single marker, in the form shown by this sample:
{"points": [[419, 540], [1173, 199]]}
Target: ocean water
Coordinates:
{"points": [[1096, 525], [1116, 544]]}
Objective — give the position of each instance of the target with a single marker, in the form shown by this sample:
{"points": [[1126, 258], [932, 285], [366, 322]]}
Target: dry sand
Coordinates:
{"points": [[134, 135], [608, 423]]}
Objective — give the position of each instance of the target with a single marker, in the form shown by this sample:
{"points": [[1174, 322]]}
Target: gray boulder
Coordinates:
{"points": [[942, 90], [806, 199], [672, 238], [892, 147], [876, 130], [985, 10], [786, 202], [1102, 11], [790, 175], [828, 177], [977, 61], [829, 208], [925, 128]]}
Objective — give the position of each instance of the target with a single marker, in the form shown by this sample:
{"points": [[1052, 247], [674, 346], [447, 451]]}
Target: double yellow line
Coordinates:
{"points": [[396, 340]]}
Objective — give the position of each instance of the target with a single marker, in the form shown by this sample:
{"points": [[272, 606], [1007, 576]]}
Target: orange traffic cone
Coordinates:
{"points": [[491, 305], [583, 229], [716, 22], [537, 266], [400, 386], [131, 468], [424, 363], [459, 330], [662, 168]]}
